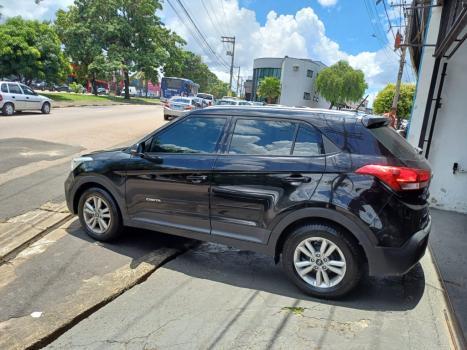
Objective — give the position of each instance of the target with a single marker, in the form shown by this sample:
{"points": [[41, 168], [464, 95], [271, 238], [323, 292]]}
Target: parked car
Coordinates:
{"points": [[132, 91], [102, 91], [331, 194], [179, 106], [38, 85], [62, 88], [208, 98], [17, 97]]}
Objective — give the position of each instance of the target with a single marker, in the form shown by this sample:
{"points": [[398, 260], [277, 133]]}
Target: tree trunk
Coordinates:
{"points": [[332, 105], [146, 84], [93, 84], [127, 85]]}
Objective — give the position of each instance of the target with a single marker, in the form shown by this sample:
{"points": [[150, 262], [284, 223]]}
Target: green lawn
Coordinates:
{"points": [[83, 98]]}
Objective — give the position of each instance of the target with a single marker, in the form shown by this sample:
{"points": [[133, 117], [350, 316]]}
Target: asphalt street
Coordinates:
{"points": [[36, 149]]}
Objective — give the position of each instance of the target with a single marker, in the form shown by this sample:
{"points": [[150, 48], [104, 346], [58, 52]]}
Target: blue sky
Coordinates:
{"points": [[325, 30]]}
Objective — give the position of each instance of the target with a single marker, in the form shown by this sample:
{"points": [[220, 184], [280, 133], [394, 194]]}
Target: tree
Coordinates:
{"points": [[383, 100], [340, 83], [269, 88], [31, 50], [75, 29]]}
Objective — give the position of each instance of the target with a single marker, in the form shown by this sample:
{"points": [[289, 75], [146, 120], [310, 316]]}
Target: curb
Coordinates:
{"points": [[452, 322]]}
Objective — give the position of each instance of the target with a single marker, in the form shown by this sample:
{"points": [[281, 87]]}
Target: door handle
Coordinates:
{"points": [[196, 179], [27, 98], [297, 179]]}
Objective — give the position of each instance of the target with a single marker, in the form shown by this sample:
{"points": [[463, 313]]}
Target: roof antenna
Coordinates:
{"points": [[361, 103]]}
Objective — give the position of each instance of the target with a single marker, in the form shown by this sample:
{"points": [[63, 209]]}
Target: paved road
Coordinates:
{"points": [[35, 149]]}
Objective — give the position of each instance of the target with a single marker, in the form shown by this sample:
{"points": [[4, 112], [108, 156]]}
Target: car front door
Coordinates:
{"points": [[17, 96], [31, 100], [167, 186], [268, 168]]}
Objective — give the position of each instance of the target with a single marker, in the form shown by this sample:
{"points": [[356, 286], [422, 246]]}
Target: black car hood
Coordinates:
{"points": [[106, 153]]}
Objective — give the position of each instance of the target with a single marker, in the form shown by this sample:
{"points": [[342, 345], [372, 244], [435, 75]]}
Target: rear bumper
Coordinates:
{"points": [[398, 261], [175, 112]]}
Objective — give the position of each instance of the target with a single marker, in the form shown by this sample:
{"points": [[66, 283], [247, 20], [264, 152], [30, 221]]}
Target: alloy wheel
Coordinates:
{"points": [[319, 262], [9, 109], [96, 214]]}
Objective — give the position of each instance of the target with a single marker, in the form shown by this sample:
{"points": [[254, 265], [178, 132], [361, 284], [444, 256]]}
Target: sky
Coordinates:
{"points": [[324, 30]]}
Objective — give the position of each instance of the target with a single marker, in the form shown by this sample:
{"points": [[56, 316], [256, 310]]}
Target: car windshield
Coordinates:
{"points": [[181, 100], [205, 96]]}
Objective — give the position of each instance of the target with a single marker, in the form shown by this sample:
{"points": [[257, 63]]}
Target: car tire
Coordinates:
{"points": [[108, 212], [45, 108], [343, 267], [8, 109]]}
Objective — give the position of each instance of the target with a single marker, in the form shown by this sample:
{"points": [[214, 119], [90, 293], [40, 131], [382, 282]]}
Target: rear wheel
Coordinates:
{"points": [[45, 108], [99, 215], [322, 261], [8, 109]]}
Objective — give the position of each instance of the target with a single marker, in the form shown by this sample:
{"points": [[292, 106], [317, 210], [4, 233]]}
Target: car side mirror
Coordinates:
{"points": [[138, 150]]}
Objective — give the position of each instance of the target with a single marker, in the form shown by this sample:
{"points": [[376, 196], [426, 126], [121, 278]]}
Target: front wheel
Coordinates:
{"points": [[322, 261], [99, 215], [45, 108]]}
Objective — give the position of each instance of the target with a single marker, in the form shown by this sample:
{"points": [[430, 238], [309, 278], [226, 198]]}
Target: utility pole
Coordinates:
{"points": [[238, 81], [230, 40], [403, 47]]}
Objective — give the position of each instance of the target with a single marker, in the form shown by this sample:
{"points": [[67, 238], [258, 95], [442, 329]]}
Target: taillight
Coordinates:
{"points": [[166, 104], [188, 107], [398, 178], [1, 97]]}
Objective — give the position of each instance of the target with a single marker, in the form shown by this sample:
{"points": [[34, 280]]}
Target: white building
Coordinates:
{"points": [[438, 124], [297, 78]]}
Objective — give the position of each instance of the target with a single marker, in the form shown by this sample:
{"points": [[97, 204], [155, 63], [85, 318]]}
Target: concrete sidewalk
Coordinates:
{"points": [[214, 297], [448, 242]]}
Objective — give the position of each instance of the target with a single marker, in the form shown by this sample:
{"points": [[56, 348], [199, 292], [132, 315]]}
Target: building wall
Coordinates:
{"points": [[449, 143], [292, 73]]}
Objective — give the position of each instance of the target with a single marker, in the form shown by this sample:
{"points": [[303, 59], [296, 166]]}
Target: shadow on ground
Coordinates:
{"points": [[258, 272]]}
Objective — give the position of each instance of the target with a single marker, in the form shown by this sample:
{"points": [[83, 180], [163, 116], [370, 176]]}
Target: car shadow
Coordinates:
{"points": [[255, 271]]}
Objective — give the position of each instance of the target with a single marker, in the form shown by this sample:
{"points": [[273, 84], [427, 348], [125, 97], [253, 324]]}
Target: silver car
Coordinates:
{"points": [[179, 106], [17, 97]]}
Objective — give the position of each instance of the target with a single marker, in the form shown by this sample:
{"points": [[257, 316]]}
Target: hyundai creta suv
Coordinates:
{"points": [[333, 195]]}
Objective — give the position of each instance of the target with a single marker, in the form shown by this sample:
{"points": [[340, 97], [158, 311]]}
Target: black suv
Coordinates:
{"points": [[331, 194]]}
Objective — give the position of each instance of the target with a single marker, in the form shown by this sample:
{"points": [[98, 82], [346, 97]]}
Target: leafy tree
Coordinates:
{"points": [[31, 50], [75, 28], [269, 88], [218, 88], [383, 101], [340, 83]]}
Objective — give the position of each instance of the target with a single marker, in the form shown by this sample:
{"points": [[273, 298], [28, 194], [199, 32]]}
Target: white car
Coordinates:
{"points": [[17, 97], [208, 98], [179, 106]]}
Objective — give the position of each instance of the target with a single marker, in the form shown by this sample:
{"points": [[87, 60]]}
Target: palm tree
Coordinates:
{"points": [[269, 88]]}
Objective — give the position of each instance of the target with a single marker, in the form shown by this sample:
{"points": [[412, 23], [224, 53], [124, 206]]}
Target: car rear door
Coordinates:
{"points": [[17, 96], [167, 188], [268, 168]]}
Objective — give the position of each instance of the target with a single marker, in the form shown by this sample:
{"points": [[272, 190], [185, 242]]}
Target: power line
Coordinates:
{"points": [[197, 34], [389, 20], [210, 18]]}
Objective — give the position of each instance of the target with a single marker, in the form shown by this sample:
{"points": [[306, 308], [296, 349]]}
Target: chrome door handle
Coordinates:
{"points": [[297, 179]]}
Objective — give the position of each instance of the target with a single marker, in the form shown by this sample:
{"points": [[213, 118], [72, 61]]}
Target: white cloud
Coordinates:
{"points": [[300, 35], [327, 3], [28, 9]]}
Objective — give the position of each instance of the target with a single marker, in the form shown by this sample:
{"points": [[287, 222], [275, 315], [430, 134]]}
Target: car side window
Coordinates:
{"points": [[191, 135], [14, 89], [27, 90], [4, 88], [309, 142], [262, 137]]}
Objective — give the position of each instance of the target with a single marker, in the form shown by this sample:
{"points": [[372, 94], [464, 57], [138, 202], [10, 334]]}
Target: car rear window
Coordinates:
{"points": [[181, 100], [394, 143]]}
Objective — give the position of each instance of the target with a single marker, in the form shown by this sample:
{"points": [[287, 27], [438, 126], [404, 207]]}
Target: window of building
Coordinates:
{"points": [[306, 96], [309, 142], [262, 137], [309, 73], [184, 137]]}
